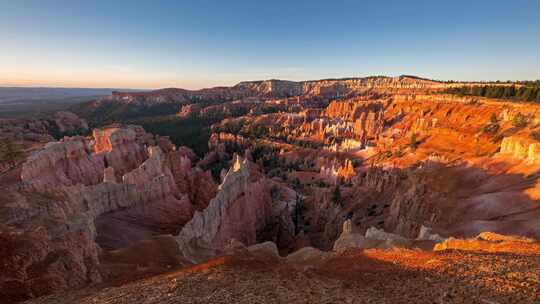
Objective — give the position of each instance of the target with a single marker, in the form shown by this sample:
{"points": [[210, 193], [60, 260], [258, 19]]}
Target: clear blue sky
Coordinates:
{"points": [[200, 43]]}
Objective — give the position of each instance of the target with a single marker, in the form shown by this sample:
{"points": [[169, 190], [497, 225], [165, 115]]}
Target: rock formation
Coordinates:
{"points": [[521, 148], [242, 210], [491, 242], [328, 88], [380, 239], [44, 129], [76, 191], [350, 239]]}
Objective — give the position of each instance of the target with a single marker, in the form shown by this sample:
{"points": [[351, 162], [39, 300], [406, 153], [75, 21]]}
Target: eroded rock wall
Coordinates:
{"points": [[242, 209], [72, 192]]}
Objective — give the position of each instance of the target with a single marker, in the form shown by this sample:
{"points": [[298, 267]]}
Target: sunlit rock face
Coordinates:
{"points": [[274, 88], [336, 173], [491, 242], [521, 148]]}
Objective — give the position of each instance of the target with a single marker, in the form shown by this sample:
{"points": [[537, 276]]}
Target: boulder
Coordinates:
{"points": [[356, 240], [307, 257], [234, 247], [379, 234], [426, 234], [266, 249]]}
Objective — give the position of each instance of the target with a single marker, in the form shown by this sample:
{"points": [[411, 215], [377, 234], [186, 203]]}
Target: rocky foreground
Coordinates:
{"points": [[351, 276]]}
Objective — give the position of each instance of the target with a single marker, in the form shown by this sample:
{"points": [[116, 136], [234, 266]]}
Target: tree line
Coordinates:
{"points": [[528, 92]]}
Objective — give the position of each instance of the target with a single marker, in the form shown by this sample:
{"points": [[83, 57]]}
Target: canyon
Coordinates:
{"points": [[302, 181]]}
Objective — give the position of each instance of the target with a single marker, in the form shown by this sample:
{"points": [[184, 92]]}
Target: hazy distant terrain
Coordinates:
{"points": [[17, 101]]}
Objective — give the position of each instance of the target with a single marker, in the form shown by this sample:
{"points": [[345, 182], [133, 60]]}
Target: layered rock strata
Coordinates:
{"points": [[76, 191]]}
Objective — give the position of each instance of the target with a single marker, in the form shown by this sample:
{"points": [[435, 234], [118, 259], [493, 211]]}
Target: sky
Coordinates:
{"points": [[204, 43]]}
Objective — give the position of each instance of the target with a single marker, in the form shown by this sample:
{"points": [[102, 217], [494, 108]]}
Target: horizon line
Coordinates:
{"points": [[44, 86]]}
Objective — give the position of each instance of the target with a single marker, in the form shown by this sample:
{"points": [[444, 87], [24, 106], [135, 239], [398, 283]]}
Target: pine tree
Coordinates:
{"points": [[519, 121], [493, 119], [477, 91], [10, 153], [509, 92], [483, 91], [414, 141], [336, 196]]}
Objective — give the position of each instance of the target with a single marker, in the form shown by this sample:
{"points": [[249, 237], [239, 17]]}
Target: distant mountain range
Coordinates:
{"points": [[21, 95]]}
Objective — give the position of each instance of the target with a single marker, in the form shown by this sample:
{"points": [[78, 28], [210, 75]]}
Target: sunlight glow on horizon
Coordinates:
{"points": [[209, 43]]}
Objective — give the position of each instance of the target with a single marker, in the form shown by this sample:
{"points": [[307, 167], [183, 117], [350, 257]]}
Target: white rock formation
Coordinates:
{"points": [[241, 207], [426, 234]]}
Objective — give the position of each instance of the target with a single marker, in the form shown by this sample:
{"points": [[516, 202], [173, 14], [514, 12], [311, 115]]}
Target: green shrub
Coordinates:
{"points": [[535, 135], [491, 128], [414, 141], [10, 152], [493, 119], [519, 121], [336, 196]]}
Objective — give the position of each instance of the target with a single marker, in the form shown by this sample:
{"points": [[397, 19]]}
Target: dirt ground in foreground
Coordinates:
{"points": [[372, 276]]}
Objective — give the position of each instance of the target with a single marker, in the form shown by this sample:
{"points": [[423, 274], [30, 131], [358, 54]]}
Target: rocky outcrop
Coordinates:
{"points": [[379, 234], [152, 181], [352, 239], [521, 148], [273, 88], [415, 203], [307, 257], [380, 239], [77, 160], [64, 163], [42, 259], [241, 210], [198, 184], [426, 234], [226, 142], [282, 88], [491, 242], [336, 173], [379, 178], [119, 149], [68, 122], [265, 249], [351, 86], [42, 130], [74, 160], [346, 125], [354, 108], [111, 189]]}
